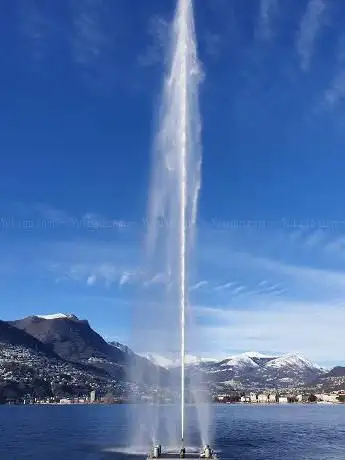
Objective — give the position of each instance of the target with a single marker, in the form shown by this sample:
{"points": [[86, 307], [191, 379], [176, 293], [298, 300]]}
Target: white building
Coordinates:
{"points": [[327, 398]]}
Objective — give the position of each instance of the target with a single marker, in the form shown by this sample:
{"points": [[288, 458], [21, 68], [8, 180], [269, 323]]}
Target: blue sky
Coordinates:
{"points": [[79, 86]]}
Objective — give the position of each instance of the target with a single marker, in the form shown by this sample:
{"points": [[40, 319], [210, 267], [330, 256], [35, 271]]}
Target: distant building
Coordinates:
{"points": [[328, 398], [93, 396]]}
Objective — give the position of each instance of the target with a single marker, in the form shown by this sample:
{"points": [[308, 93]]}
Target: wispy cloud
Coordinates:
{"points": [[158, 35], [88, 38], [268, 10], [90, 274], [198, 285], [91, 280], [238, 289], [83, 36], [125, 278], [336, 247], [310, 25], [225, 286], [310, 268], [263, 283], [315, 238], [213, 44], [34, 26], [158, 278], [336, 91], [268, 290], [304, 274], [82, 260]]}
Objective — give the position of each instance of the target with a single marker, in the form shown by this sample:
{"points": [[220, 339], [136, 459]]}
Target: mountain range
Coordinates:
{"points": [[62, 354], [250, 370]]}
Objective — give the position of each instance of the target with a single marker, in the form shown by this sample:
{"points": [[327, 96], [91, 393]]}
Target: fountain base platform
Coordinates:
{"points": [[157, 453]]}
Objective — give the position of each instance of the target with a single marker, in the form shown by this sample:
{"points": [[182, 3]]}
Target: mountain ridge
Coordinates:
{"points": [[72, 341]]}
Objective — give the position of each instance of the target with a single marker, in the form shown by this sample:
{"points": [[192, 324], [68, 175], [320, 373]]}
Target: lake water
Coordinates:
{"points": [[242, 432]]}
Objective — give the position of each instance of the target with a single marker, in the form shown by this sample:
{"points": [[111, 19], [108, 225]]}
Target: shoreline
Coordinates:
{"points": [[316, 403]]}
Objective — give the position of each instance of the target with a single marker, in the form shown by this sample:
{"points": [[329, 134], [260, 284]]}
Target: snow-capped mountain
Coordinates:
{"points": [[254, 370], [159, 360], [121, 347], [248, 370], [57, 316], [74, 340], [239, 362], [293, 361]]}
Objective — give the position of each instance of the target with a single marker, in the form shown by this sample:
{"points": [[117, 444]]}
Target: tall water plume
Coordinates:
{"points": [[172, 216]]}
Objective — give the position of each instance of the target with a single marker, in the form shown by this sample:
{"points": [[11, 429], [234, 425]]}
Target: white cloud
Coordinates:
{"points": [[105, 274], [310, 25], [315, 238], [225, 286], [336, 91], [213, 43], [263, 283], [279, 327], [88, 39], [91, 273], [198, 285], [318, 277], [268, 9], [158, 33], [263, 289], [35, 25], [87, 261], [124, 279], [91, 280], [159, 278], [238, 289], [336, 247]]}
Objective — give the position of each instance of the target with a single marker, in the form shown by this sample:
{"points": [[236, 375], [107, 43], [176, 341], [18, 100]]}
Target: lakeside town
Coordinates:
{"points": [[336, 397]]}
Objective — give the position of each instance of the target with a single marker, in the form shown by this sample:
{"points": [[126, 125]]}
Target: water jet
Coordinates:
{"points": [[173, 201]]}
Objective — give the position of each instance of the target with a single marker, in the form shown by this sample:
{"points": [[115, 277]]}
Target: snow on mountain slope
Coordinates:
{"points": [[291, 360], [57, 316], [255, 370], [120, 347], [255, 354], [158, 360], [239, 362]]}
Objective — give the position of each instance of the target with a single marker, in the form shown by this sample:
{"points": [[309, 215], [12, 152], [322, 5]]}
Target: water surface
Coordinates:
{"points": [[241, 432]]}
